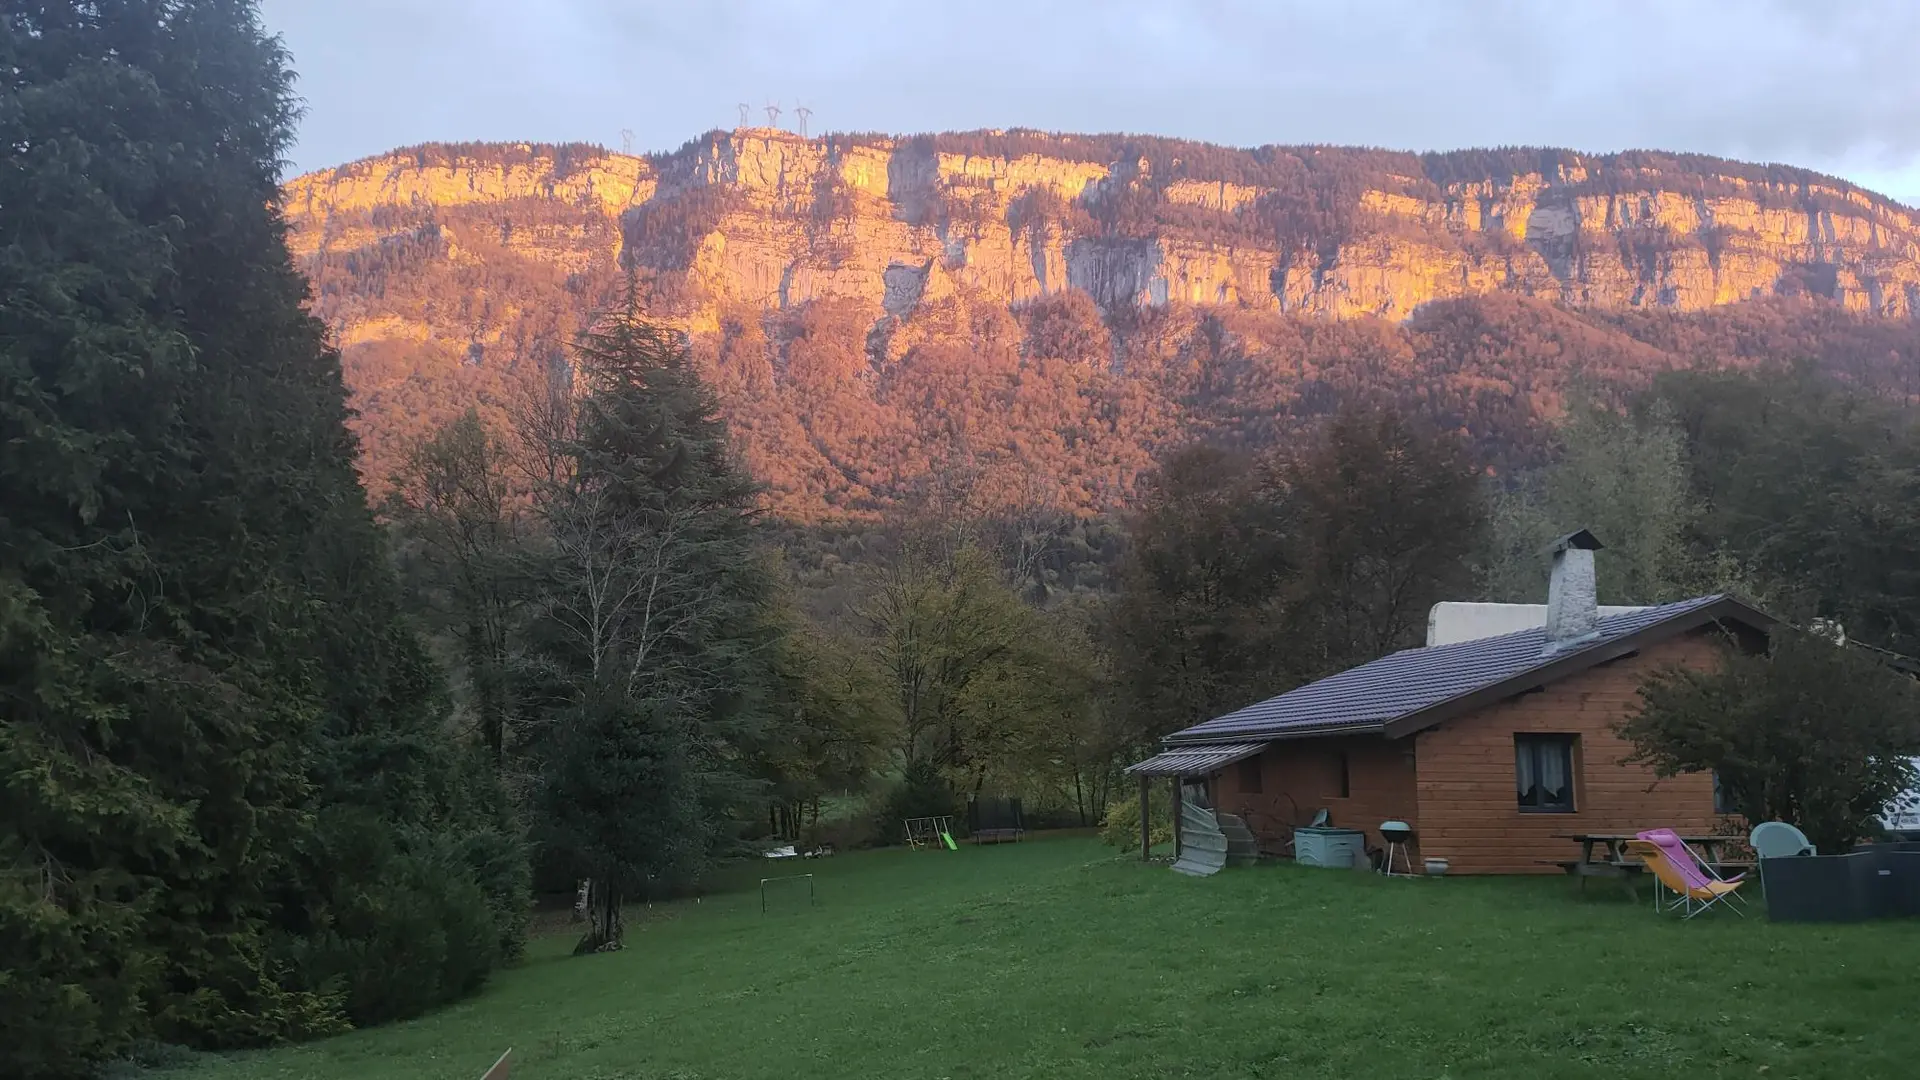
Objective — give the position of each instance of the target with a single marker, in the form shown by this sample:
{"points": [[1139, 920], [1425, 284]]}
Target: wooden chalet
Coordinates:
{"points": [[1492, 749]]}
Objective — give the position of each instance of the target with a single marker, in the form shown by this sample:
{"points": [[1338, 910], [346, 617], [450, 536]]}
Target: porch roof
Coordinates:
{"points": [[1195, 760]]}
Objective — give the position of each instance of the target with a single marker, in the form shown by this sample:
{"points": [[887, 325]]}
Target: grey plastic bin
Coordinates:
{"points": [[1327, 846]]}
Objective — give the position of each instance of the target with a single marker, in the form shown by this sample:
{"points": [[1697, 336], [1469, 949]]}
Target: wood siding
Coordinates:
{"points": [[1301, 776], [1468, 809]]}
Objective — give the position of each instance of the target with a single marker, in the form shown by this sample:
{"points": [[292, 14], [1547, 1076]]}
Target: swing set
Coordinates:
{"points": [[931, 832]]}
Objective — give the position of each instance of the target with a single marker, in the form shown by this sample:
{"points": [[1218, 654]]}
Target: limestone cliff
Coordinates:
{"points": [[764, 218], [873, 299]]}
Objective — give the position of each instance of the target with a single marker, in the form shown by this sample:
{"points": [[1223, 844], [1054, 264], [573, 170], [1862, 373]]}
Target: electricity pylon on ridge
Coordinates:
{"points": [[802, 112], [773, 115], [744, 110], [626, 141]]}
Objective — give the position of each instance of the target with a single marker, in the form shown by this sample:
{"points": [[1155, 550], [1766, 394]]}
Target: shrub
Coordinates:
{"points": [[843, 834], [498, 862], [61, 1007], [1122, 826], [922, 792], [406, 927]]}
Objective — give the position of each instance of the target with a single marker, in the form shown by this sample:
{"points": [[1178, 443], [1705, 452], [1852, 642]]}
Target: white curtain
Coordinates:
{"points": [[1554, 789]]}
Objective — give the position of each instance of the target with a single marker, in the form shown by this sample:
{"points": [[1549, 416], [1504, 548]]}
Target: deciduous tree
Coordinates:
{"points": [[456, 510], [1248, 576], [1626, 477], [1808, 732]]}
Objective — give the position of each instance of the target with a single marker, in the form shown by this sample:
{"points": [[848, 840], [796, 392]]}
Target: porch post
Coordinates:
{"points": [[1179, 801], [1146, 827]]}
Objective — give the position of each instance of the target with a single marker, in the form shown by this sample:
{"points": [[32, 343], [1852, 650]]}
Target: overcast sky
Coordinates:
{"points": [[1829, 84]]}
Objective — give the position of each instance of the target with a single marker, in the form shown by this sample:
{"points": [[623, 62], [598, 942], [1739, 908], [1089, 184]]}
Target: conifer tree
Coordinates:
{"points": [[217, 737], [651, 652]]}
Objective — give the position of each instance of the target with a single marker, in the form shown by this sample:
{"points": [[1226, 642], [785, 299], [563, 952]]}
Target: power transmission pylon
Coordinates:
{"points": [[773, 115], [626, 141], [802, 112], [744, 110]]}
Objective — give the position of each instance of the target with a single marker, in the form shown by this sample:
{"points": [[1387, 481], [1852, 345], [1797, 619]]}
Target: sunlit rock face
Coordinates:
{"points": [[443, 270]]}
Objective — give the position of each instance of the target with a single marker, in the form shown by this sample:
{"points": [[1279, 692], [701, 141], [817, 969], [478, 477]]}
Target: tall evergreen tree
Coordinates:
{"points": [[651, 659], [202, 670], [1383, 517]]}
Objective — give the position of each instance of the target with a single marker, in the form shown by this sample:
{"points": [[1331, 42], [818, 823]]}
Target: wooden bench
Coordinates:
{"points": [[1584, 868], [1580, 869]]}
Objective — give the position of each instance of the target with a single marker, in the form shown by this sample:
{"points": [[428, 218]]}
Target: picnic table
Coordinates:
{"points": [[1613, 861]]}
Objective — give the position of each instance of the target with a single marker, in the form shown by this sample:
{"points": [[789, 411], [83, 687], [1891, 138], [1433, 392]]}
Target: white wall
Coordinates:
{"points": [[1453, 621]]}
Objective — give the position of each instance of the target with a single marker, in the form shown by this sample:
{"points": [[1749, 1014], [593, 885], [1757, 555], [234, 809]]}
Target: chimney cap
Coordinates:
{"points": [[1581, 540]]}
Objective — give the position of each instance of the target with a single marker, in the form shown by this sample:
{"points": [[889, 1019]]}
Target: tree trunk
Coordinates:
{"points": [[583, 901], [606, 930]]}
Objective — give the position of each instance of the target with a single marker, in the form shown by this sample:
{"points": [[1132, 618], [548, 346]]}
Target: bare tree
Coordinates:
{"points": [[630, 589], [542, 418]]}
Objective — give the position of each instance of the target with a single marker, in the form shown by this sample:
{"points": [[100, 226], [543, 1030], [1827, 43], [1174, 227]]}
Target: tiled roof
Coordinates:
{"points": [[1408, 682], [1195, 760]]}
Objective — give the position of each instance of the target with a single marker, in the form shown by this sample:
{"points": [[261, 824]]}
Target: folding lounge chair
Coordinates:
{"points": [[1678, 870], [1779, 840]]}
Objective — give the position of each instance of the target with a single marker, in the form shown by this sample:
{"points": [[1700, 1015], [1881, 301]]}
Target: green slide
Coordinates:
{"points": [[948, 838]]}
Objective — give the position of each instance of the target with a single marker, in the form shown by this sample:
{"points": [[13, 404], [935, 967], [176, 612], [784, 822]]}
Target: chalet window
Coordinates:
{"points": [[1345, 775], [1543, 773], [1250, 776]]}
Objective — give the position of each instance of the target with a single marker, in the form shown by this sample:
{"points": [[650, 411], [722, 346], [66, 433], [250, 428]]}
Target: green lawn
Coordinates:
{"points": [[1056, 959]]}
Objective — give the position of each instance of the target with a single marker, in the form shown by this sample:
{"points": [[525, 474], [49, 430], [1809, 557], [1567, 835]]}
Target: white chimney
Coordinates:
{"points": [[1573, 611]]}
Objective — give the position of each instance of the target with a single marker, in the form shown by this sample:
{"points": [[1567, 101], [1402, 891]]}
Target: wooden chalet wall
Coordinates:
{"points": [[1467, 806], [1298, 777]]}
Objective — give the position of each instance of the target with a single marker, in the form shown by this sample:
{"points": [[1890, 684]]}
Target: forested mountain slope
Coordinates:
{"points": [[1036, 315]]}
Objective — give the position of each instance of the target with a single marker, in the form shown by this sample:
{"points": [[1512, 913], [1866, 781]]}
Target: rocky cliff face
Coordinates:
{"points": [[769, 219], [441, 267]]}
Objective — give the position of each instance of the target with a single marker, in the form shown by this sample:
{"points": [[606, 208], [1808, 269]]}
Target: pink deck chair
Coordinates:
{"points": [[1696, 887]]}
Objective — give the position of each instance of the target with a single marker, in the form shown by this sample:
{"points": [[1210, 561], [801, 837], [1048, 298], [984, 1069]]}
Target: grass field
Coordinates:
{"points": [[1054, 958]]}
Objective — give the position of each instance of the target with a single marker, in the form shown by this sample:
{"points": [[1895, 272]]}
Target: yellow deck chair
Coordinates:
{"points": [[1693, 890]]}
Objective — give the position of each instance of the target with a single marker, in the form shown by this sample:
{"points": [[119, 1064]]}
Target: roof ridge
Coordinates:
{"points": [[1414, 681], [1639, 611]]}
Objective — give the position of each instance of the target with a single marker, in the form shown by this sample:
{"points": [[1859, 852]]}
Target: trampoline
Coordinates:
{"points": [[992, 820]]}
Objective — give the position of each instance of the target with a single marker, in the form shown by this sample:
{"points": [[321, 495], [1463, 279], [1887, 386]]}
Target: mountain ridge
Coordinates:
{"points": [[872, 307]]}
